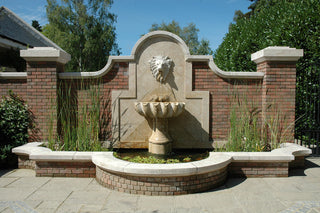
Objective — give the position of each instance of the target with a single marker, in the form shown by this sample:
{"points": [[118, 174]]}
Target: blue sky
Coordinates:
{"points": [[135, 17]]}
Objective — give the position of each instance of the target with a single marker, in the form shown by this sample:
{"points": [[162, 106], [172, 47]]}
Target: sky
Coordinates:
{"points": [[135, 17]]}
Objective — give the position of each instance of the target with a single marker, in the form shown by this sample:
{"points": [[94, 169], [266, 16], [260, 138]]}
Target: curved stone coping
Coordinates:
{"points": [[293, 149], [99, 73], [188, 57], [214, 162], [225, 74]]}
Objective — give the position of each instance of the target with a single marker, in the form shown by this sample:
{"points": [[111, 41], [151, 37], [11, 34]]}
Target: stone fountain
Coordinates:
{"points": [[160, 141], [160, 109]]}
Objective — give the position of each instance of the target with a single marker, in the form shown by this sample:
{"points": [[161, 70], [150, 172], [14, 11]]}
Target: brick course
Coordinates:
{"points": [[161, 185], [65, 169], [25, 163], [258, 169]]}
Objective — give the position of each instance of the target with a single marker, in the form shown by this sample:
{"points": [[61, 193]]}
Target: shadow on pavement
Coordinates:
{"points": [[309, 164]]}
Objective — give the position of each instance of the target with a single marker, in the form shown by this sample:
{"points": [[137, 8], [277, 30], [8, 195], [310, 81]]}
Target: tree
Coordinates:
{"points": [[277, 23], [85, 29], [36, 25], [189, 34]]}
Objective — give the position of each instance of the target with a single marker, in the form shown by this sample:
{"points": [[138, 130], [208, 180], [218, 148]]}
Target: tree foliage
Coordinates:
{"points": [[276, 23], [189, 34], [36, 25], [85, 29]]}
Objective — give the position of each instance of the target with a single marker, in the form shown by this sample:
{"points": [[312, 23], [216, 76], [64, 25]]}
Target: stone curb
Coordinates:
{"points": [[215, 161]]}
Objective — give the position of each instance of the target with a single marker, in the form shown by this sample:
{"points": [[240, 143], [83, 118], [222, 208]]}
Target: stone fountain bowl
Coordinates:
{"points": [[159, 109]]}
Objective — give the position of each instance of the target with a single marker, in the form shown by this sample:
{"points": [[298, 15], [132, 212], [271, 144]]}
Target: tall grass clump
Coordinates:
{"points": [[245, 122], [254, 131], [78, 117]]}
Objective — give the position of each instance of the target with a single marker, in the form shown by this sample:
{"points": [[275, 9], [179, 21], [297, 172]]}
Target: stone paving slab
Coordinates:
{"points": [[21, 191]]}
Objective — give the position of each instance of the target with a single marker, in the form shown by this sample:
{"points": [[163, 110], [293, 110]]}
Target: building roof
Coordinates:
{"points": [[14, 32]]}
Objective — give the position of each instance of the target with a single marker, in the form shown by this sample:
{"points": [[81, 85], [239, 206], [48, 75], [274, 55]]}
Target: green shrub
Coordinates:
{"points": [[15, 119]]}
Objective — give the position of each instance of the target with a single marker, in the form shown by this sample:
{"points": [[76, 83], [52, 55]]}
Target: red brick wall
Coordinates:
{"points": [[277, 88], [222, 93], [18, 86], [278, 94], [116, 78], [65, 169], [258, 169], [41, 93]]}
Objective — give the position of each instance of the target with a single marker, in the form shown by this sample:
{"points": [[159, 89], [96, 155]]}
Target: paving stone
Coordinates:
{"points": [[4, 181], [95, 186], [262, 206], [69, 208], [72, 184], [33, 203], [21, 173], [90, 208], [28, 182], [120, 202], [16, 207], [13, 194], [46, 210], [87, 197], [52, 204], [216, 201], [50, 195], [156, 203]]}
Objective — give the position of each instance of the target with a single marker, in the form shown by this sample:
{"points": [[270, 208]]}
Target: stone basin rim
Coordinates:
{"points": [[216, 160]]}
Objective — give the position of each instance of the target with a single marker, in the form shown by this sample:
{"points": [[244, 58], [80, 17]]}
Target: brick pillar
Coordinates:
{"points": [[43, 65], [278, 88]]}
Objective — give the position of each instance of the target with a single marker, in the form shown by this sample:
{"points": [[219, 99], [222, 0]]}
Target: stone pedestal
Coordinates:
{"points": [[160, 141]]}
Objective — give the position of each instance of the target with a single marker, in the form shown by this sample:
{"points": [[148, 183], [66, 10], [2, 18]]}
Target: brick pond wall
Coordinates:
{"points": [[161, 185]]}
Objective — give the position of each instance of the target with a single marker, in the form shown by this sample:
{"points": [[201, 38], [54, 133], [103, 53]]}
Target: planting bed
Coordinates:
{"points": [[161, 179]]}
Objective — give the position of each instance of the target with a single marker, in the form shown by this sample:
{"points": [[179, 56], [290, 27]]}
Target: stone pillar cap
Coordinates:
{"points": [[45, 54], [277, 53]]}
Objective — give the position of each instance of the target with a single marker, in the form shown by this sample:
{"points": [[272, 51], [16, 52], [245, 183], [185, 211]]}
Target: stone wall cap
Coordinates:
{"points": [[13, 75], [216, 160], [277, 53], [45, 54]]}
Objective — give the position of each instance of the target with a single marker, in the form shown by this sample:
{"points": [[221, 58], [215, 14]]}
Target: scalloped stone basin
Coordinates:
{"points": [[160, 141]]}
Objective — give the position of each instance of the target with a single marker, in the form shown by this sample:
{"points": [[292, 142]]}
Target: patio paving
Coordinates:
{"points": [[21, 191]]}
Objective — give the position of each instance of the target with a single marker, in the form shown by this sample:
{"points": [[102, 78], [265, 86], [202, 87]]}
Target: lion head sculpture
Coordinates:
{"points": [[160, 67]]}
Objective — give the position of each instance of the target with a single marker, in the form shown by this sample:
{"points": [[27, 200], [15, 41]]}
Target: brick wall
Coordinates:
{"points": [[277, 88], [258, 169], [65, 169], [222, 96], [41, 93], [161, 185], [18, 86], [278, 94], [82, 90]]}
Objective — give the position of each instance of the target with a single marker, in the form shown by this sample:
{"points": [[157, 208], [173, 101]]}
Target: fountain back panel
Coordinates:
{"points": [[160, 111]]}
